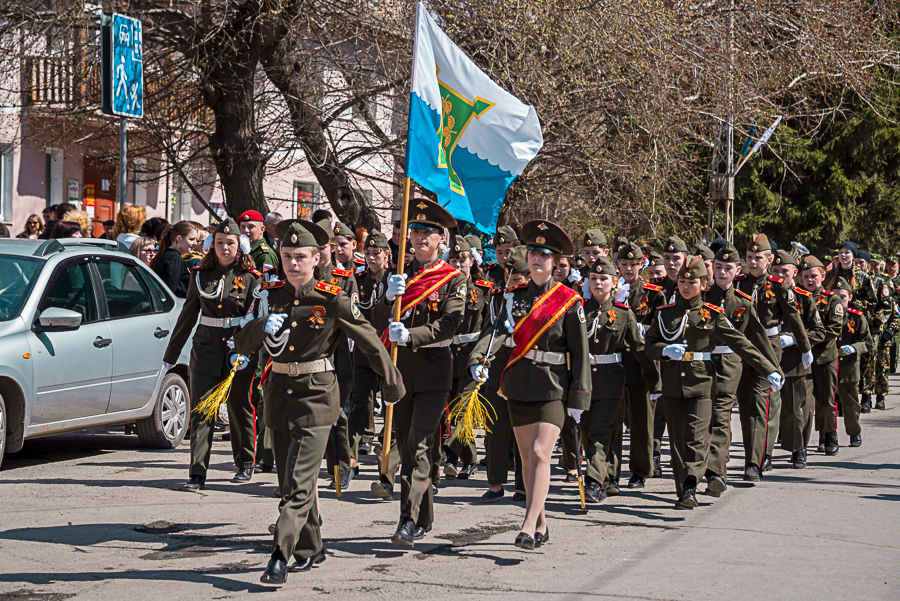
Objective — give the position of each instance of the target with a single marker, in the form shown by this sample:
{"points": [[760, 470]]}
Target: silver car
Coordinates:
{"points": [[83, 329]]}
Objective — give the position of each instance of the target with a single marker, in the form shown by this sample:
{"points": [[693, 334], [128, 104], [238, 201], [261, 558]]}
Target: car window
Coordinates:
{"points": [[17, 275], [72, 289], [166, 300], [126, 292]]}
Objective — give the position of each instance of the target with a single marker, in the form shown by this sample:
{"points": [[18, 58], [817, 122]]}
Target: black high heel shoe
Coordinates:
{"points": [[523, 541], [540, 539]]}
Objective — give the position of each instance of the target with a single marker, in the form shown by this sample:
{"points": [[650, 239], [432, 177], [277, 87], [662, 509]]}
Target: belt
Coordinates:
{"points": [[722, 350], [466, 338], [605, 359], [774, 331], [440, 344], [692, 356], [307, 367], [509, 342], [546, 357], [220, 322]]}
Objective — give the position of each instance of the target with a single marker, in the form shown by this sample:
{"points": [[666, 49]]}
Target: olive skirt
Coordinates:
{"points": [[525, 413]]}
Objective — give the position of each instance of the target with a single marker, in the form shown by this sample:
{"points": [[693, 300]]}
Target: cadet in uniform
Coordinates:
{"points": [[595, 246], [432, 296], [683, 336], [301, 332], [220, 294], [884, 321], [855, 340], [505, 240]]}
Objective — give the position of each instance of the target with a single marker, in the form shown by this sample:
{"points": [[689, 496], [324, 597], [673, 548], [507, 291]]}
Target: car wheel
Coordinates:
{"points": [[165, 427], [2, 430]]}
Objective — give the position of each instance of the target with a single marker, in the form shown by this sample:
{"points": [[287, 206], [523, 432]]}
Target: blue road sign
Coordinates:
{"points": [[126, 73]]}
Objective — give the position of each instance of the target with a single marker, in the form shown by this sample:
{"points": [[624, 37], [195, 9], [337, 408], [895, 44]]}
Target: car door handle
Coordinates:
{"points": [[160, 333], [102, 342]]}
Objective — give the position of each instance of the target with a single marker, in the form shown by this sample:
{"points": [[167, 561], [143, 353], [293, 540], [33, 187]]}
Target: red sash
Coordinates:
{"points": [[420, 286], [546, 311]]}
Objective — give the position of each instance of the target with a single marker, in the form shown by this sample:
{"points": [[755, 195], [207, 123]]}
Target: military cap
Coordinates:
{"points": [[603, 265], [228, 227], [877, 258], [705, 253], [758, 243], [297, 233], [326, 227], [460, 245], [727, 253], [849, 245], [546, 236], [579, 260], [864, 255], [693, 268], [342, 230], [717, 244], [474, 241], [784, 258], [811, 262], [675, 245], [655, 258], [890, 259], [841, 284], [249, 216], [424, 214], [517, 261], [594, 237], [505, 234], [630, 252], [376, 240], [829, 258], [621, 240]]}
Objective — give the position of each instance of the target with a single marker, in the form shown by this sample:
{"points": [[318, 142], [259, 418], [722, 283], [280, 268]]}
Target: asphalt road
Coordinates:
{"points": [[94, 516]]}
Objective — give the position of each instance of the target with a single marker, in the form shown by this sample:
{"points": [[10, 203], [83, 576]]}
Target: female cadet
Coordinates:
{"points": [[220, 293], [612, 331], [301, 326], [538, 384], [683, 337]]}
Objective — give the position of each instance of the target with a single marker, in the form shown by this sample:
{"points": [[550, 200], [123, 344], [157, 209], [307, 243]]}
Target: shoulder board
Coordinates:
{"points": [[359, 261], [653, 287], [256, 273], [360, 274], [519, 287], [329, 288], [740, 277], [345, 273], [855, 312], [828, 292], [713, 307], [742, 293], [272, 285], [666, 306], [776, 279], [484, 284], [658, 281], [799, 290], [491, 266], [622, 306]]}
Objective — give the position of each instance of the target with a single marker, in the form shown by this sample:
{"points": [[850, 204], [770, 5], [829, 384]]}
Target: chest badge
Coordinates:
{"points": [[317, 317], [738, 313], [335, 281], [611, 316], [473, 295], [238, 284], [851, 326], [433, 301], [704, 313]]}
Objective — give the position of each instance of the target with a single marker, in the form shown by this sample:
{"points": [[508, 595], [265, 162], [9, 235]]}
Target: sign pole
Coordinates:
{"points": [[123, 160]]}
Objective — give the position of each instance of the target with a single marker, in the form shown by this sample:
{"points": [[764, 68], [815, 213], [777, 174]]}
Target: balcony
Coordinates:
{"points": [[59, 82]]}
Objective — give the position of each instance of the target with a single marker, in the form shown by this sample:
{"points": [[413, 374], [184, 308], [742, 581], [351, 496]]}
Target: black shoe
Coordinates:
{"points": [[405, 534], [593, 493], [831, 444], [612, 489], [483, 462], [879, 402], [821, 447], [688, 499], [276, 572], [277, 493], [767, 464], [377, 446], [540, 539], [571, 477], [420, 532], [856, 440], [865, 407], [434, 490], [365, 448], [307, 564], [226, 437], [511, 465], [195, 484], [657, 466], [751, 473], [798, 459], [346, 477], [715, 485], [383, 490], [468, 470], [524, 541], [519, 497], [492, 495], [450, 470], [220, 426], [636, 482], [259, 468], [243, 475]]}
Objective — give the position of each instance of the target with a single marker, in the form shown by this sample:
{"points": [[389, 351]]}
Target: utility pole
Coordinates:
{"points": [[720, 216]]}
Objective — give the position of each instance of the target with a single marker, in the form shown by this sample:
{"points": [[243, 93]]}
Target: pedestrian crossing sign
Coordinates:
{"points": [[122, 66]]}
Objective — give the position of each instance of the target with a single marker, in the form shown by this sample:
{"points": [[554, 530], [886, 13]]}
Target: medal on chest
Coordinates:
{"points": [[433, 301], [317, 317]]}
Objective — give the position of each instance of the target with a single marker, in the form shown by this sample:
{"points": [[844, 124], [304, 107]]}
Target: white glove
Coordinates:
{"points": [[242, 361], [361, 269], [586, 289], [848, 350], [622, 293], [787, 340], [396, 286], [480, 373], [674, 351], [397, 332], [167, 366], [389, 403], [230, 343], [574, 276], [575, 414], [274, 323], [776, 380], [806, 359], [655, 396]]}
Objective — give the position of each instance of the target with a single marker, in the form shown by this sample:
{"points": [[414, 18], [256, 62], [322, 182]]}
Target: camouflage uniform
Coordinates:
{"points": [[883, 321]]}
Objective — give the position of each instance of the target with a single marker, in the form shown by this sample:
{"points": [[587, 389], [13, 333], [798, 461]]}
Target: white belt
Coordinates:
{"points": [[220, 322], [775, 331], [546, 357], [306, 367], [509, 342], [722, 350], [605, 359], [440, 344], [692, 356], [466, 338]]}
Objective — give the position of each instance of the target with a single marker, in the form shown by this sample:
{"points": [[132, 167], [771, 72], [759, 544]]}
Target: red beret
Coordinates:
{"points": [[249, 216]]}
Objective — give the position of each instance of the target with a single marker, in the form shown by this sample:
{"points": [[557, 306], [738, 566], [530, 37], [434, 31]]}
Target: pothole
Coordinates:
{"points": [[159, 527]]}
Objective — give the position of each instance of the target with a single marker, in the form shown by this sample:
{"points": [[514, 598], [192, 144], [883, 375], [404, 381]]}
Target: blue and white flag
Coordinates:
{"points": [[468, 139]]}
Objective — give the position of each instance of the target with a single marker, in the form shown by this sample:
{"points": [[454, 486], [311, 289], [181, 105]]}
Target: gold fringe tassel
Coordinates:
{"points": [[209, 403], [471, 411]]}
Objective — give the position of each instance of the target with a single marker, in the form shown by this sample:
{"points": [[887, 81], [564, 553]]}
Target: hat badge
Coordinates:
{"points": [[337, 230], [542, 226], [421, 217], [500, 240], [540, 239], [456, 248], [294, 238], [421, 205], [671, 247], [753, 248], [630, 255]]}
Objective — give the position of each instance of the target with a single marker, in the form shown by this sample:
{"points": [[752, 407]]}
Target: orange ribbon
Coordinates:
{"points": [[239, 283], [739, 312], [769, 292], [611, 316], [318, 314], [473, 295], [704, 313], [851, 325]]}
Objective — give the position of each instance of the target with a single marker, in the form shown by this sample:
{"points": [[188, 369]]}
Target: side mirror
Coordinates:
{"points": [[55, 319]]}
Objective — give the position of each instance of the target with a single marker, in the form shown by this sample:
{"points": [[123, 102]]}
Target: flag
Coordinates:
{"points": [[468, 139]]}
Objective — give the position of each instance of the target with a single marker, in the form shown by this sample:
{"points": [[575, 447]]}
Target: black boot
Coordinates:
{"points": [[798, 459], [866, 404], [856, 440], [688, 499], [612, 489], [821, 447], [305, 565], [405, 534], [831, 444], [195, 484], [276, 572], [715, 485], [657, 466], [751, 473], [383, 489], [879, 402], [593, 493], [767, 464]]}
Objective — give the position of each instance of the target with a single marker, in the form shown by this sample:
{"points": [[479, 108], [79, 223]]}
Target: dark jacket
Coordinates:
{"points": [[171, 268]]}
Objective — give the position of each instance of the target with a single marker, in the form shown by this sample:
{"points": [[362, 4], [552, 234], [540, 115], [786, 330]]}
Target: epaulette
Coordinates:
{"points": [[776, 279], [828, 292], [855, 312], [799, 290], [361, 273], [272, 285], [653, 287], [623, 306], [658, 281], [359, 261], [713, 307], [744, 294], [329, 288], [344, 273], [484, 284], [490, 266], [740, 277], [666, 306], [256, 273], [519, 287]]}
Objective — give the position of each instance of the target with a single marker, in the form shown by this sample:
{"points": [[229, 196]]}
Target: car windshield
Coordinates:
{"points": [[17, 275]]}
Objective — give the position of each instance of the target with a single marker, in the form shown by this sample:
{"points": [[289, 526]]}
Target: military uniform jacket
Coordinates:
{"points": [[792, 356], [701, 327], [475, 314], [496, 274], [612, 328], [342, 278], [220, 293], [263, 255], [643, 299], [433, 320], [499, 353], [883, 310], [773, 300], [371, 288], [831, 313], [527, 380], [855, 333], [318, 315]]}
